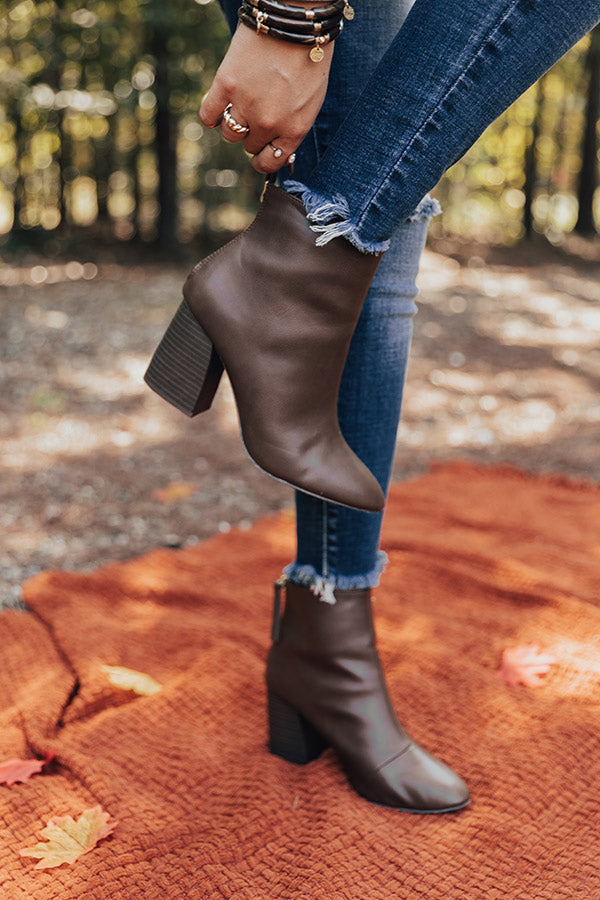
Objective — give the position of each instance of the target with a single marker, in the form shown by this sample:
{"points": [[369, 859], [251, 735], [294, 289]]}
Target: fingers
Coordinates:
{"points": [[213, 114], [234, 127], [213, 106], [270, 153], [272, 157], [211, 110], [257, 138]]}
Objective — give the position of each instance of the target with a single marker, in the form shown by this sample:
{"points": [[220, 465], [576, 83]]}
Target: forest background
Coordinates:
{"points": [[100, 141]]}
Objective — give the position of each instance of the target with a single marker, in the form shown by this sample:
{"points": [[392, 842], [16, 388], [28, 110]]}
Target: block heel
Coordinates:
{"points": [[290, 735], [185, 369]]}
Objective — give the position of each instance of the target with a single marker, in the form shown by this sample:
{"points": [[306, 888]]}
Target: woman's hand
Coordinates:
{"points": [[274, 88]]}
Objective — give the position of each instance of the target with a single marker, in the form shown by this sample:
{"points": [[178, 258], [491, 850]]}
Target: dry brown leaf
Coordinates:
{"points": [[524, 665], [177, 490], [131, 680], [68, 839]]}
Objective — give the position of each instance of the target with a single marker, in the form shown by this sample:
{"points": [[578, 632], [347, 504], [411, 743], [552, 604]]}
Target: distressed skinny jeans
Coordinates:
{"points": [[412, 86]]}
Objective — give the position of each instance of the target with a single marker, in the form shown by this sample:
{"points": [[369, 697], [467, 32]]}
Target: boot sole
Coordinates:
{"points": [[418, 812], [293, 738]]}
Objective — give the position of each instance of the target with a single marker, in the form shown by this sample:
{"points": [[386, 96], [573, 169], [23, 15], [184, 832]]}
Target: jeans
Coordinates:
{"points": [[450, 71], [412, 86]]}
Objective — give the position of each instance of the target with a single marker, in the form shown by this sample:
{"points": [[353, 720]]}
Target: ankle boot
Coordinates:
{"points": [[278, 313], [325, 687]]}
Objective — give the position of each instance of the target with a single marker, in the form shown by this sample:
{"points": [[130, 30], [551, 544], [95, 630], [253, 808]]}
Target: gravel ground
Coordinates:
{"points": [[505, 366]]}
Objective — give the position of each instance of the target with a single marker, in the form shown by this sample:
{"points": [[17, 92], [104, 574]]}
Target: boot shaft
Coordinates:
{"points": [[309, 624]]}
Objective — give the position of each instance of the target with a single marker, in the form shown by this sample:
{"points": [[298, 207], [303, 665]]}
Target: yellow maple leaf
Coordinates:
{"points": [[68, 839], [131, 680], [177, 490]]}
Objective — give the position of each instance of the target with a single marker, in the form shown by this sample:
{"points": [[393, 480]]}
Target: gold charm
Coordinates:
{"points": [[316, 54], [348, 12]]}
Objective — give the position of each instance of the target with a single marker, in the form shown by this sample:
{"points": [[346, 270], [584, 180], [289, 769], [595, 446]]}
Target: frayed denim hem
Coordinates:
{"points": [[427, 209], [330, 218], [324, 587]]}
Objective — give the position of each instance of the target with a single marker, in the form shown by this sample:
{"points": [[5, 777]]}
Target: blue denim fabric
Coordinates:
{"points": [[403, 104], [449, 72]]}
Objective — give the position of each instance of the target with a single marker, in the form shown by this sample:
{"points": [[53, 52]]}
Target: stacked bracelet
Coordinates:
{"points": [[317, 13], [297, 24]]}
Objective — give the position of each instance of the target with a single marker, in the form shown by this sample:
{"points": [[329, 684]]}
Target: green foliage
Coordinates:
{"points": [[484, 194], [83, 86]]}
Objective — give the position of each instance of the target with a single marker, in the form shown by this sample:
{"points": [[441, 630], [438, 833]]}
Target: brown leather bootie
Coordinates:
{"points": [[326, 688], [278, 313]]}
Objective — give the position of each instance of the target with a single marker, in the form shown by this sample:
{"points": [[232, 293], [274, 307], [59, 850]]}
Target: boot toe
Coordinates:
{"points": [[348, 482], [416, 781], [364, 494]]}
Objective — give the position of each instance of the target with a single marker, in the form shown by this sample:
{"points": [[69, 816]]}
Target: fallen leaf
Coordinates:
{"points": [[130, 680], [21, 770], [68, 839], [177, 490], [524, 665]]}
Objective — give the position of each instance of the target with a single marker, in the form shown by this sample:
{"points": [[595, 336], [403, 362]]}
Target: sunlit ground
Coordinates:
{"points": [[505, 367], [506, 359]]}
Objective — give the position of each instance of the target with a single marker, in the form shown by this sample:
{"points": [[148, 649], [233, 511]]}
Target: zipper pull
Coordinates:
{"points": [[276, 626]]}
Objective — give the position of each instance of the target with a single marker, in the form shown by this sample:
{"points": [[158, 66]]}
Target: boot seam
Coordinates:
{"points": [[395, 757], [265, 202]]}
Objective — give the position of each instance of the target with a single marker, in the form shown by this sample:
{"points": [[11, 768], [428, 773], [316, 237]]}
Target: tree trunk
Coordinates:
{"points": [[165, 131], [19, 189], [588, 176], [52, 75], [530, 162]]}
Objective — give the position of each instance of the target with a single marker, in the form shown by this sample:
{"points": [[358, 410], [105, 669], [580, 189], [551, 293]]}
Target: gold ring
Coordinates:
{"points": [[232, 123]]}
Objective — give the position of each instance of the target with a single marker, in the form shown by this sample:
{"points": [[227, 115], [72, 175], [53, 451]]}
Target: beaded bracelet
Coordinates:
{"points": [[300, 25]]}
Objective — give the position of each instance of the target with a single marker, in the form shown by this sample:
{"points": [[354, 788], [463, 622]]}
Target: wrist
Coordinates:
{"points": [[313, 24]]}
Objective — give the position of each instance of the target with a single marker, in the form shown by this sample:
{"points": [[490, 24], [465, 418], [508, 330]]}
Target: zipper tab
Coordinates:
{"points": [[276, 626]]}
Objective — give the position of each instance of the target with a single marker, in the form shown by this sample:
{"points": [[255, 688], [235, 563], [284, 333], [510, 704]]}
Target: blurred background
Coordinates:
{"points": [[101, 142], [110, 188]]}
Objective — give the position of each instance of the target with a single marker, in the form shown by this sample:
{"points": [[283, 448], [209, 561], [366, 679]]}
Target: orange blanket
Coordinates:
{"points": [[480, 560]]}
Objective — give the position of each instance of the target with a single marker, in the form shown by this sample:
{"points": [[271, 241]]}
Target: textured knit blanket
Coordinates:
{"points": [[482, 560]]}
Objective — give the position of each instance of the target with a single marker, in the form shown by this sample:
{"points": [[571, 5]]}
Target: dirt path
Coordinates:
{"points": [[505, 366]]}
